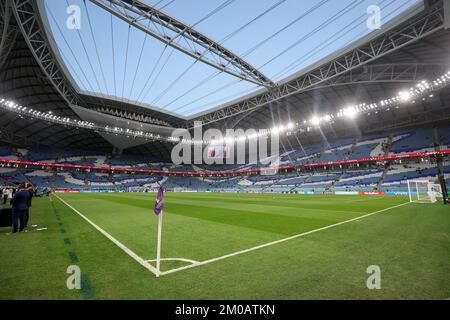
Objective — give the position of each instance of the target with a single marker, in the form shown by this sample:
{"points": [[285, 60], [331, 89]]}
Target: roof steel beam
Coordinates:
{"points": [[27, 17], [423, 24], [384, 73], [183, 38], [371, 74], [447, 14], [8, 33]]}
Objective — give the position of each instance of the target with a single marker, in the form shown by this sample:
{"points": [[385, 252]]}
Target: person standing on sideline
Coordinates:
{"points": [[30, 189], [10, 195], [5, 193], [20, 203]]}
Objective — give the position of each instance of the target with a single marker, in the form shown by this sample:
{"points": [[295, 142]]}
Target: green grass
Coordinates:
{"points": [[410, 244]]}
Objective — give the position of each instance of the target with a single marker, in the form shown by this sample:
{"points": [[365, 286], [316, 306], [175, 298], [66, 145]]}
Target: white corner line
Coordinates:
{"points": [[175, 259], [133, 255], [201, 263]]}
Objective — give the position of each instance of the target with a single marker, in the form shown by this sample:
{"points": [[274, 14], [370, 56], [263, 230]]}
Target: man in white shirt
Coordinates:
{"points": [[5, 194]]}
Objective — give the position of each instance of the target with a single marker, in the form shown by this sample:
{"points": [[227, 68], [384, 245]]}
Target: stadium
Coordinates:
{"points": [[224, 150]]}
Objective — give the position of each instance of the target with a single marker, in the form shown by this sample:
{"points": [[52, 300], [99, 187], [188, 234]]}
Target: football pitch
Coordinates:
{"points": [[229, 246]]}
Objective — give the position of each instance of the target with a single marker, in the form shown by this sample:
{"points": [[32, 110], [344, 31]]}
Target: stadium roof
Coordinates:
{"points": [[276, 37], [413, 47]]}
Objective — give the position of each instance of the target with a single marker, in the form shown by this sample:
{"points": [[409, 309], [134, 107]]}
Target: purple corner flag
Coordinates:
{"points": [[159, 204]]}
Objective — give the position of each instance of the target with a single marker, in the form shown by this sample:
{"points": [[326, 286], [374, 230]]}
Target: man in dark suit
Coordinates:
{"points": [[20, 203], [30, 189]]}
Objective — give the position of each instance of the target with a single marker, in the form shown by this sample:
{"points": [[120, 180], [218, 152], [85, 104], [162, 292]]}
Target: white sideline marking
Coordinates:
{"points": [[144, 263], [175, 259], [201, 263]]}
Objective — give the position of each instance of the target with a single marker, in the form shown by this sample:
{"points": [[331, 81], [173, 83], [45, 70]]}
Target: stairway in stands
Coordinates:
{"points": [[338, 178], [331, 186], [272, 185], [352, 150], [301, 184], [387, 149]]}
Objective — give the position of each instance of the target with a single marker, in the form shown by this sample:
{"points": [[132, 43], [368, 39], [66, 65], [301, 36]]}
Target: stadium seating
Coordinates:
{"points": [[419, 139], [391, 143]]}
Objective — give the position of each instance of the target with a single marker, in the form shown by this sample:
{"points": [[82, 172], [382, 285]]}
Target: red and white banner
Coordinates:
{"points": [[372, 193], [68, 167]]}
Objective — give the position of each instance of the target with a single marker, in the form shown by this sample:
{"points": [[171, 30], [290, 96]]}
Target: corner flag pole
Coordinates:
{"points": [[158, 249], [159, 206]]}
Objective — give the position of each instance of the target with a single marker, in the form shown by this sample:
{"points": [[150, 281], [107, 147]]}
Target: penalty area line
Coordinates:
{"points": [[265, 245], [133, 255]]}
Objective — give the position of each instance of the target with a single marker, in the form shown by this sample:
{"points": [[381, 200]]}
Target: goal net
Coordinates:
{"points": [[423, 191]]}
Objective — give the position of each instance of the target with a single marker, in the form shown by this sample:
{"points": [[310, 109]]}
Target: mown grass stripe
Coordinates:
{"points": [[73, 257], [86, 290]]}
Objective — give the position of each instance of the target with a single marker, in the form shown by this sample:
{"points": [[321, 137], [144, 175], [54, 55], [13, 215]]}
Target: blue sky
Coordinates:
{"points": [[119, 72]]}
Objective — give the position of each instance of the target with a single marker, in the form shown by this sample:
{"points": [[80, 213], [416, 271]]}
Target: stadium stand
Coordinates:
{"points": [[380, 177]]}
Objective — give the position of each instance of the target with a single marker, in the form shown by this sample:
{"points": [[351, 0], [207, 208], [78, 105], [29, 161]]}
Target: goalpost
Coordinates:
{"points": [[423, 191]]}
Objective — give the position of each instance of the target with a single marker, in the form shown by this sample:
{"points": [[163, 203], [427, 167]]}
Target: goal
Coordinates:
{"points": [[423, 191]]}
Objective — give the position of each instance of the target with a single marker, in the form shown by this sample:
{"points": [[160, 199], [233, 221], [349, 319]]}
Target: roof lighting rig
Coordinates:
{"points": [[422, 90]]}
